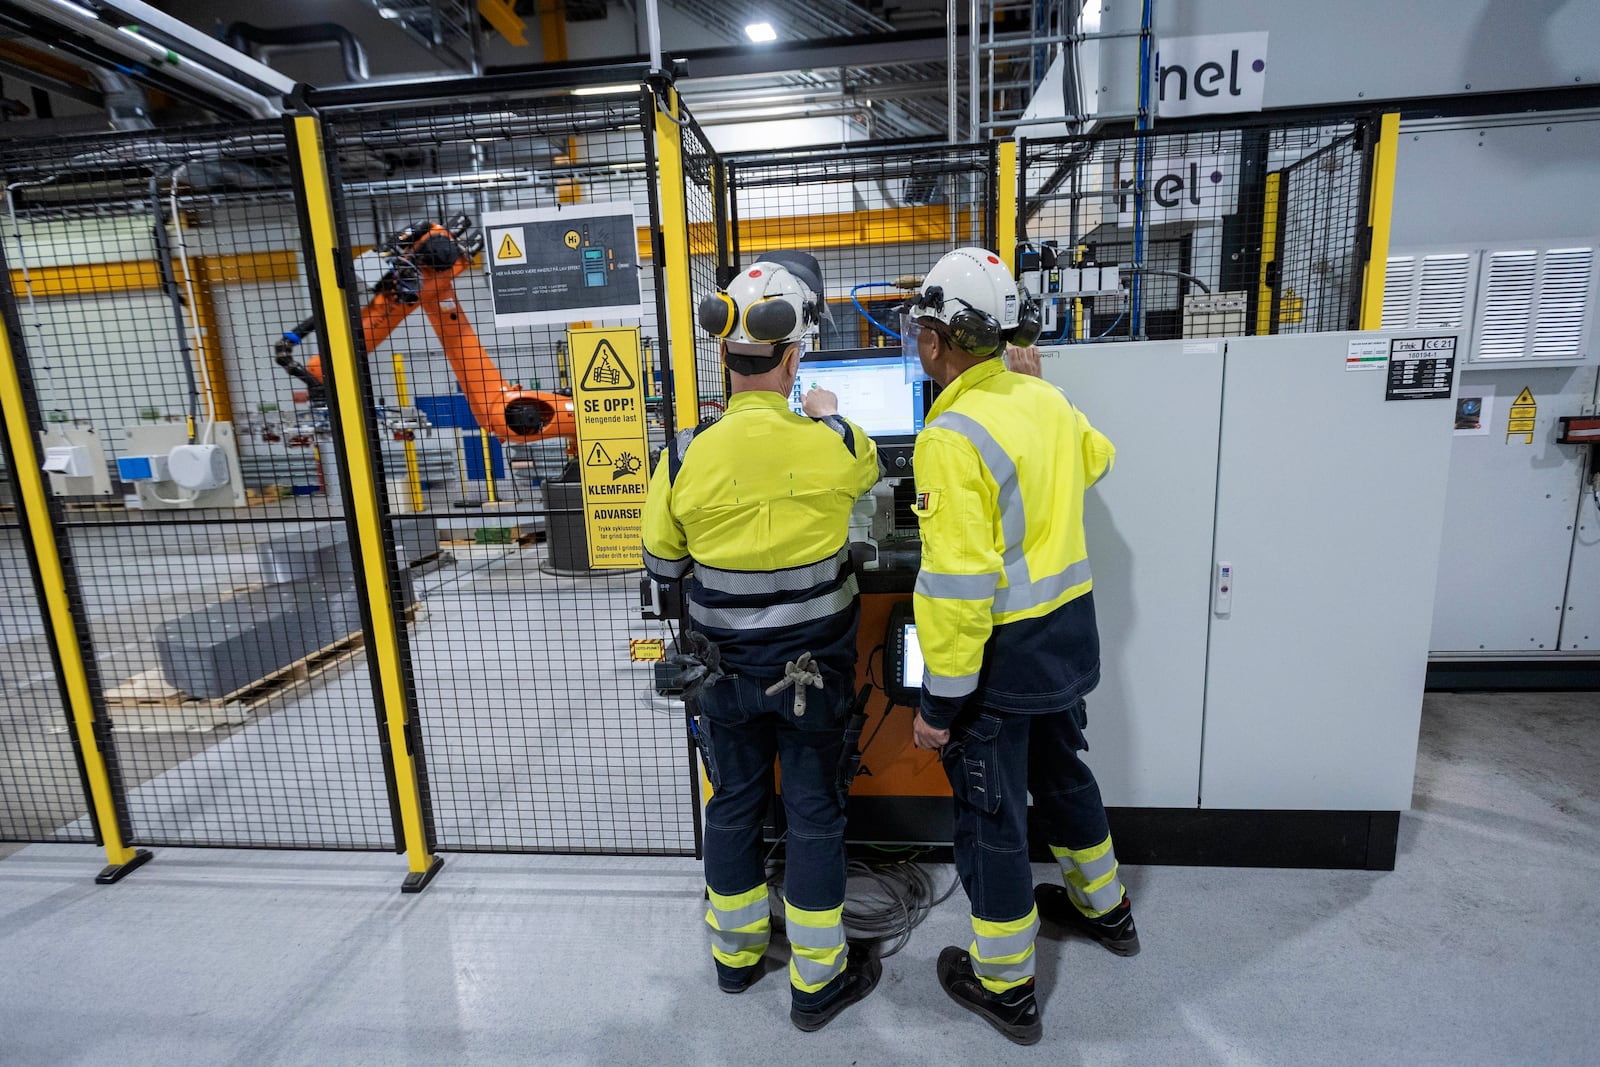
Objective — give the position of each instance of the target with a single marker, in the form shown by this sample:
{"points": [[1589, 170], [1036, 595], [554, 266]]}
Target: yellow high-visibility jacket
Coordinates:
{"points": [[1004, 608], [754, 512]]}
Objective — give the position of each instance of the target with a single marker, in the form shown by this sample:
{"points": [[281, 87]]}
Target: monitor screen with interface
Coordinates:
{"points": [[902, 657], [871, 386]]}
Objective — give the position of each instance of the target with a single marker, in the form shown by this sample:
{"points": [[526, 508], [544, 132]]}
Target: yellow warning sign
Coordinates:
{"points": [[607, 372], [508, 246], [1524, 416], [609, 402], [647, 650]]}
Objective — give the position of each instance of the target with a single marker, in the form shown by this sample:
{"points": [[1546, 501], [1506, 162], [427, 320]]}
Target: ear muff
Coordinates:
{"points": [[770, 321], [718, 315], [976, 331], [1030, 321]]}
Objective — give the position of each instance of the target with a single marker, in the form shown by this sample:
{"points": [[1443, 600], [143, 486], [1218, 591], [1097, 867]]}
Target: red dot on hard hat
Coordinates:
{"points": [[994, 259], [755, 274]]}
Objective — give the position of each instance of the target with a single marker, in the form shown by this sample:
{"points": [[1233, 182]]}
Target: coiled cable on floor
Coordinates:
{"points": [[898, 896]]}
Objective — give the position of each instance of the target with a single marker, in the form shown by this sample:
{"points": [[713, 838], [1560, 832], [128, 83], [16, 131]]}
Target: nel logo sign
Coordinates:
{"points": [[1210, 75]]}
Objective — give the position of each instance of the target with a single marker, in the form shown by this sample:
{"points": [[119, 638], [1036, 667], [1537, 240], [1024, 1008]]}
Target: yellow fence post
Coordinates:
{"points": [[1379, 214], [34, 505], [1005, 218], [680, 345], [1265, 285], [361, 490]]}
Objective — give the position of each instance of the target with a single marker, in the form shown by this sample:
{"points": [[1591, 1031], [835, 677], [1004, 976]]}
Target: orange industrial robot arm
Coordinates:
{"points": [[426, 259]]}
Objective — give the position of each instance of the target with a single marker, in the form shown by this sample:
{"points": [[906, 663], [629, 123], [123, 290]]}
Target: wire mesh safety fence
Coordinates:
{"points": [[538, 731], [705, 190], [1198, 232], [154, 275], [42, 796], [1321, 222], [872, 215]]}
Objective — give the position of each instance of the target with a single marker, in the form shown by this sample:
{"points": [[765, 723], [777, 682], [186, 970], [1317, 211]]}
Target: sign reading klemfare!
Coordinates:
{"points": [[561, 264], [612, 452]]}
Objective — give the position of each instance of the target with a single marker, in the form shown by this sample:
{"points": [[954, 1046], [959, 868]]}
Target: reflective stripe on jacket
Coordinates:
{"points": [[756, 516], [1005, 613]]}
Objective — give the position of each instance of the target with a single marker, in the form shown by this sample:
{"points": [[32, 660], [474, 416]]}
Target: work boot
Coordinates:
{"points": [[1014, 1013], [860, 975], [736, 979], [1114, 930]]}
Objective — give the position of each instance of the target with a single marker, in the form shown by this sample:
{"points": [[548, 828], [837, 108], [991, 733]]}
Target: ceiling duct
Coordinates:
{"points": [[260, 42]]}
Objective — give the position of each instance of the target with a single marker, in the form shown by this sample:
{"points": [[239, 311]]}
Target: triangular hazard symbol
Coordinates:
{"points": [[598, 456], [607, 372], [1524, 398], [508, 249]]}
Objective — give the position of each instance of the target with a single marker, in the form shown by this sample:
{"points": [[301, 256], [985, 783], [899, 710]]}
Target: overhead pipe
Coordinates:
{"points": [[950, 65], [125, 100], [262, 41], [193, 42]]}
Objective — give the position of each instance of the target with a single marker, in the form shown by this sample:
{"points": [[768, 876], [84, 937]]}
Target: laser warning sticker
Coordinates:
{"points": [[562, 264], [609, 405], [1523, 418]]}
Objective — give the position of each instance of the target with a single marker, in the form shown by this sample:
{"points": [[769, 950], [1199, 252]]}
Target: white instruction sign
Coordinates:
{"points": [[1367, 353]]}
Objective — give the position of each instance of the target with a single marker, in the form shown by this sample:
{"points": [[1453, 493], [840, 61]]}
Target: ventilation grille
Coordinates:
{"points": [[1563, 303], [1427, 290], [1535, 304], [1398, 279]]}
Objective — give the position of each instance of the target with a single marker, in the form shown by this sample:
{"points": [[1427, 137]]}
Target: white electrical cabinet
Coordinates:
{"points": [[1330, 503], [1508, 556], [1292, 677], [1149, 524]]}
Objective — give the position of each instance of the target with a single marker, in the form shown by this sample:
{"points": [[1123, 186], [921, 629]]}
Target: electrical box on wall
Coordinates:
{"points": [[1215, 314]]}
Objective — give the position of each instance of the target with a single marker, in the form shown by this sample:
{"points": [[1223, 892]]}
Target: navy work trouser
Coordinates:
{"points": [[994, 760], [742, 730]]}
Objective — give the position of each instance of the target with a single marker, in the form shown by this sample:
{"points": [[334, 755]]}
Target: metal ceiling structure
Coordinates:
{"points": [[885, 68]]}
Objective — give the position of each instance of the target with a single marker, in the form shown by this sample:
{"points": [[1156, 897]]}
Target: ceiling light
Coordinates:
{"points": [[605, 90], [761, 32]]}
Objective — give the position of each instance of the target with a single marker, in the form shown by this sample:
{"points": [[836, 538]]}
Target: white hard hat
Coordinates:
{"points": [[775, 300], [972, 292]]}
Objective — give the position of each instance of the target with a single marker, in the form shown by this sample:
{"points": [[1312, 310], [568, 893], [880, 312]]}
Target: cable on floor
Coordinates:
{"points": [[897, 897]]}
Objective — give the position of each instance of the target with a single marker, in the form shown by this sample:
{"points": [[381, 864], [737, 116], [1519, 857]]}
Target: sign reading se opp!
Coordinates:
{"points": [[609, 402]]}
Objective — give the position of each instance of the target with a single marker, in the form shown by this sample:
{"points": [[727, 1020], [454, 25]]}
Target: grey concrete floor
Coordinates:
{"points": [[1482, 947]]}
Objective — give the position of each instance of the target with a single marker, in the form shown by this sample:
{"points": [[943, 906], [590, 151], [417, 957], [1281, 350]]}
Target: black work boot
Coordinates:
{"points": [[1014, 1013], [736, 979], [1114, 930], [860, 975]]}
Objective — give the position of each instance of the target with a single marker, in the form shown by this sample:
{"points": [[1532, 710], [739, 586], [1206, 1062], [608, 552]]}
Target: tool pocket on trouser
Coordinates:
{"points": [[702, 740], [971, 762], [850, 758]]}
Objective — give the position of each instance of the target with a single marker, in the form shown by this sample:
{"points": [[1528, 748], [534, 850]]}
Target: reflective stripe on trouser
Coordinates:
{"points": [[816, 946], [741, 926], [1091, 877], [1002, 953]]}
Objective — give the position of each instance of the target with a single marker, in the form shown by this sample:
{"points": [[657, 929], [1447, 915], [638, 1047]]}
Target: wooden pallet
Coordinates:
{"points": [[145, 703]]}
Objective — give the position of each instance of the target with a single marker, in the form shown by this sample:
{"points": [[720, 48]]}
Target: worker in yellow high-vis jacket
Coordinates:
{"points": [[1005, 618], [752, 513]]}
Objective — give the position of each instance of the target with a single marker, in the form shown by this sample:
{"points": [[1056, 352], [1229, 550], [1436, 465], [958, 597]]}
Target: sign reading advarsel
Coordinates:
{"points": [[561, 264], [612, 451]]}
